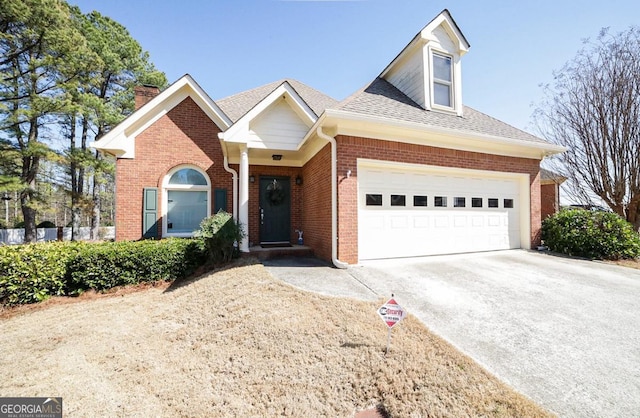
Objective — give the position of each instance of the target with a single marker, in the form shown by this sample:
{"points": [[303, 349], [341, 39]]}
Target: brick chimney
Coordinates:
{"points": [[144, 94]]}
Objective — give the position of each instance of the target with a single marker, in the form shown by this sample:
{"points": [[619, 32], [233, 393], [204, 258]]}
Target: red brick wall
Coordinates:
{"points": [[254, 199], [350, 148], [549, 200], [185, 135], [317, 203]]}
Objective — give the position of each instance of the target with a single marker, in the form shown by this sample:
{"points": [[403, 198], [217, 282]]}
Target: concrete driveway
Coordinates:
{"points": [[564, 332]]}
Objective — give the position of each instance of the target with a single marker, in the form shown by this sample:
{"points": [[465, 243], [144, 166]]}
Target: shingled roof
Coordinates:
{"points": [[239, 104], [381, 99]]}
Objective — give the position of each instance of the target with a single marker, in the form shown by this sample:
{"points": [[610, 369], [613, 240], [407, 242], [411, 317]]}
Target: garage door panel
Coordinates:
{"points": [[421, 222], [373, 222], [460, 221], [399, 222]]}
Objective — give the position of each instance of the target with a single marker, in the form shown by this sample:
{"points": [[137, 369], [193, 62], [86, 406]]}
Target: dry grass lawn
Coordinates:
{"points": [[239, 343]]}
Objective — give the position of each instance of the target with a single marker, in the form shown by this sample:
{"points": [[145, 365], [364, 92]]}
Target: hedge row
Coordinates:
{"points": [[591, 234], [32, 273]]}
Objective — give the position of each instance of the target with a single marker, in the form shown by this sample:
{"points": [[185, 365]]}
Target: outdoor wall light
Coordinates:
{"points": [[298, 180], [276, 157], [252, 179]]}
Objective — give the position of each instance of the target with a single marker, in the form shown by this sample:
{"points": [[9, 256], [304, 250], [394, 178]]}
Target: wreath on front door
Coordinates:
{"points": [[275, 193]]}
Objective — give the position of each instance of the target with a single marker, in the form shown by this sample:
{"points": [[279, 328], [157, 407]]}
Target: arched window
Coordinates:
{"points": [[187, 193]]}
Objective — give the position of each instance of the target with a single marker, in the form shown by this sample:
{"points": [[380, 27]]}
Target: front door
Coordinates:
{"points": [[275, 209]]}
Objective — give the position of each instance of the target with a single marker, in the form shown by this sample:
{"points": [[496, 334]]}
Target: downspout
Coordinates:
{"points": [[234, 196], [334, 198]]}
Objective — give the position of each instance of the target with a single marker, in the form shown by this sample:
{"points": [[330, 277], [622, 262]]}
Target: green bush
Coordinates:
{"points": [[106, 265], [46, 224], [33, 272], [221, 235], [583, 233]]}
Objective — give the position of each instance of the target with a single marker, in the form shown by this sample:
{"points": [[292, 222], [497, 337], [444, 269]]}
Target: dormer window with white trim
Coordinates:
{"points": [[442, 80], [428, 70]]}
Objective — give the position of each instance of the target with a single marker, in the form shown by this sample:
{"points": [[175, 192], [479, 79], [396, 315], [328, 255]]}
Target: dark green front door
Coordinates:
{"points": [[275, 209]]}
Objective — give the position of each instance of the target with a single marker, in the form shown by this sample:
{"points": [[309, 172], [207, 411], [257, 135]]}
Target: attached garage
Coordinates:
{"points": [[408, 210]]}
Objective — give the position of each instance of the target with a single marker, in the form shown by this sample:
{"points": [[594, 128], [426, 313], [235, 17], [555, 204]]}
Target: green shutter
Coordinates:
{"points": [[220, 199], [150, 212]]}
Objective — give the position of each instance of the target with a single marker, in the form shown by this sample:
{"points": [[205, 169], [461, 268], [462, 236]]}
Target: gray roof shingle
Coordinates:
{"points": [[239, 104], [551, 176], [381, 99]]}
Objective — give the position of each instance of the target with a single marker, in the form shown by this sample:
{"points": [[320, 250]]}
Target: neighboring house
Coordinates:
{"points": [[400, 168], [550, 192]]}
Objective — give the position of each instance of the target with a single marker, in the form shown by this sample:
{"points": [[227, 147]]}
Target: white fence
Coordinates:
{"points": [[16, 236]]}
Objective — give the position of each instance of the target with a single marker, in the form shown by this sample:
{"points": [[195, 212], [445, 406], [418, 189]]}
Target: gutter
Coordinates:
{"points": [[234, 197], [334, 198]]}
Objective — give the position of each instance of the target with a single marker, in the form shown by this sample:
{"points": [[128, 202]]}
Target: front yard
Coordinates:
{"points": [[238, 342]]}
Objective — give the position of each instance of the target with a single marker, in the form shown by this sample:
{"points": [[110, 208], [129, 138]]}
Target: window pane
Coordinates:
{"points": [[442, 94], [476, 202], [419, 200], [398, 200], [185, 210], [188, 176], [374, 200], [493, 203], [441, 67], [508, 203], [440, 201], [459, 202]]}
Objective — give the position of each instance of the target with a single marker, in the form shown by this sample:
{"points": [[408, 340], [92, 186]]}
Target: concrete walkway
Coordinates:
{"points": [[563, 332]]}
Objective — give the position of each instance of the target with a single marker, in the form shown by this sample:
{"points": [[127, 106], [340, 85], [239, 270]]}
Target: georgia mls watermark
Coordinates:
{"points": [[30, 407]]}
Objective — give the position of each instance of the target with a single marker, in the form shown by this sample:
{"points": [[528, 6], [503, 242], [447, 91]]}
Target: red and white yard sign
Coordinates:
{"points": [[392, 313]]}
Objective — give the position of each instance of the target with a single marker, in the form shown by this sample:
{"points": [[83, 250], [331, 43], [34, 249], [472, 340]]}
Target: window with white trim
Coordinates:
{"points": [[442, 80], [187, 193]]}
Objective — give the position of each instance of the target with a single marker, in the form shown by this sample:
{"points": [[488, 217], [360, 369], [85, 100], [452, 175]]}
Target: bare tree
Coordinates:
{"points": [[593, 108]]}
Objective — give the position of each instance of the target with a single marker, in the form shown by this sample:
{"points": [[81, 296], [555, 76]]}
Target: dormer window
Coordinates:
{"points": [[442, 80], [428, 70]]}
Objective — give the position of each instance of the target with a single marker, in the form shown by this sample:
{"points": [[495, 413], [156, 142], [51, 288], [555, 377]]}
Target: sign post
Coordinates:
{"points": [[391, 313]]}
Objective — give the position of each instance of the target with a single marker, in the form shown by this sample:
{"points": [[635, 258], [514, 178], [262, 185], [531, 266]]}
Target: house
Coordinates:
{"points": [[550, 192], [400, 168]]}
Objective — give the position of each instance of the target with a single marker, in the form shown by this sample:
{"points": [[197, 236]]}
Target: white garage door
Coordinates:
{"points": [[408, 211]]}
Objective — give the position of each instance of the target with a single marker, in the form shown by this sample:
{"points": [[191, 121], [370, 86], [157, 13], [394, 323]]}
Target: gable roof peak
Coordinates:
{"points": [[445, 16], [445, 20], [427, 34], [239, 104], [120, 141]]}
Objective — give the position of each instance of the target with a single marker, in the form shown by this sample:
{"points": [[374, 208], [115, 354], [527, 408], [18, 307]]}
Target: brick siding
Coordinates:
{"points": [[185, 135], [549, 200], [317, 203]]}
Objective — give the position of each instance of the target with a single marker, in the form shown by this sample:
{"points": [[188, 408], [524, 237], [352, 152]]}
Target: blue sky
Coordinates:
{"points": [[337, 47]]}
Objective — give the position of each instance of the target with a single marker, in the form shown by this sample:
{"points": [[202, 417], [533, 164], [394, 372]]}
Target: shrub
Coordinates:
{"points": [[111, 264], [221, 235], [600, 235], [46, 224], [33, 272]]}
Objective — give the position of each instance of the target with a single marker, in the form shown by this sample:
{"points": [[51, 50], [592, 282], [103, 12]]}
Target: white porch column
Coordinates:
{"points": [[243, 197]]}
